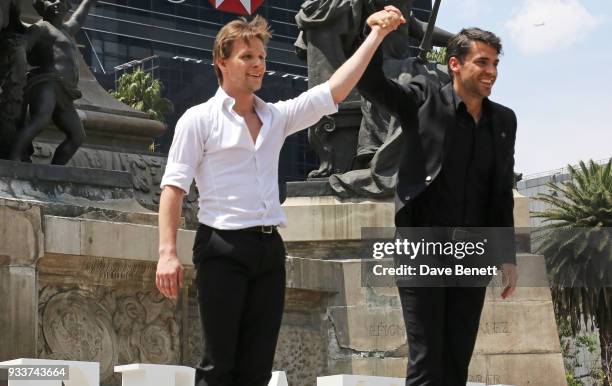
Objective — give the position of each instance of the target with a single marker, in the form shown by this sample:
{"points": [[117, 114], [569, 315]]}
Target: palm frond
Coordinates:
{"points": [[140, 91], [576, 241]]}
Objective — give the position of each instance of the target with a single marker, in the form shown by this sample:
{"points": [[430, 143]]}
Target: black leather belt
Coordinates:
{"points": [[267, 229]]}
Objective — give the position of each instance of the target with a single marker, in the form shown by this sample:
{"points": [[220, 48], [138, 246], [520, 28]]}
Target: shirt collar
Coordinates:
{"points": [[228, 102], [458, 101]]}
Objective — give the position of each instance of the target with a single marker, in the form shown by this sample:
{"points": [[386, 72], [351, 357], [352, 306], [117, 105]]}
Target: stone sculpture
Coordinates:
{"points": [[12, 72], [52, 85], [329, 31]]}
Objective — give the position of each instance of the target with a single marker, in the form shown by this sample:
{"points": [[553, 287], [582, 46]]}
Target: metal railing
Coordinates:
{"points": [[563, 170]]}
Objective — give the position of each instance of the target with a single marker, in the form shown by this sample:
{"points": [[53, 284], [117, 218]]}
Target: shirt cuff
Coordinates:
{"points": [[322, 99], [179, 175]]}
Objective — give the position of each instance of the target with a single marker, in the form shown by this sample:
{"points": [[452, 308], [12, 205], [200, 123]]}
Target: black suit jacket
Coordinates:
{"points": [[425, 111]]}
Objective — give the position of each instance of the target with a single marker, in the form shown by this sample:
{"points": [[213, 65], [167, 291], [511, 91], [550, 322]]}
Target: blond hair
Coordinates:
{"points": [[236, 30]]}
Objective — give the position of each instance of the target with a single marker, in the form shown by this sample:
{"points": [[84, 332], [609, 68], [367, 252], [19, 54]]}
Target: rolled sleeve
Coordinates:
{"points": [[179, 175], [186, 153], [307, 108], [322, 99]]}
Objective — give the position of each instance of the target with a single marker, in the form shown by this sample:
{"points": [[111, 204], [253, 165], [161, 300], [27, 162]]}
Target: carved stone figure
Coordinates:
{"points": [[380, 140], [52, 84], [396, 50], [12, 72], [108, 326], [329, 30]]}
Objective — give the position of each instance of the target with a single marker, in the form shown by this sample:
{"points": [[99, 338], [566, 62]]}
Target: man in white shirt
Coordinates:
{"points": [[231, 146]]}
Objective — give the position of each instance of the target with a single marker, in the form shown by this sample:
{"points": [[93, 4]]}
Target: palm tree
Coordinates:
{"points": [[140, 91], [437, 55], [577, 244]]}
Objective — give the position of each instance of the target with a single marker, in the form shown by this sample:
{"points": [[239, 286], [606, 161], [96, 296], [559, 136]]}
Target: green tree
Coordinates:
{"points": [[140, 91], [437, 55], [577, 243]]}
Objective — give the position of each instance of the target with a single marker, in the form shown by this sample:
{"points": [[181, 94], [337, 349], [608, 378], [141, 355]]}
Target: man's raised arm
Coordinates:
{"points": [[346, 77], [77, 19], [306, 109]]}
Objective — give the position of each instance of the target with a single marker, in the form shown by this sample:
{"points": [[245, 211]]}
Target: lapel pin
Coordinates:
{"points": [[503, 134]]}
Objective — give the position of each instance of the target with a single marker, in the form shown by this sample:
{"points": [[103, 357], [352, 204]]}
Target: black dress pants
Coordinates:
{"points": [[441, 325], [241, 291]]}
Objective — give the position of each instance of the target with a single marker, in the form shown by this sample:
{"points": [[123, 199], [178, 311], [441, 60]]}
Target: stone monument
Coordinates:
{"points": [[379, 144], [78, 253], [83, 288], [12, 73], [53, 80]]}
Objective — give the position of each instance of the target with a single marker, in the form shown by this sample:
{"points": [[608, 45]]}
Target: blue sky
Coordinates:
{"points": [[553, 74]]}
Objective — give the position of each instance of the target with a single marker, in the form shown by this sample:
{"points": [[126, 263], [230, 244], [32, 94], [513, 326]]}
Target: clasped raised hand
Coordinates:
{"points": [[387, 20]]}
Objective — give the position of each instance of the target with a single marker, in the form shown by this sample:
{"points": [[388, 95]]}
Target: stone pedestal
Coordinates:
{"points": [[79, 285], [334, 139], [21, 245], [517, 343]]}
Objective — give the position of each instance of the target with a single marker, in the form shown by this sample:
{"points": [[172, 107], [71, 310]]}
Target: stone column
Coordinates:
{"points": [[21, 245]]}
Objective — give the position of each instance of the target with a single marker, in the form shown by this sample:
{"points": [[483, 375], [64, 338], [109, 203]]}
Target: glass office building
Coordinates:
{"points": [[179, 35], [122, 30]]}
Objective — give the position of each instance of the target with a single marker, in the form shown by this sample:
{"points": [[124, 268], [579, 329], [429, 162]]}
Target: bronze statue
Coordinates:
{"points": [[12, 72], [399, 57], [52, 84], [329, 30]]}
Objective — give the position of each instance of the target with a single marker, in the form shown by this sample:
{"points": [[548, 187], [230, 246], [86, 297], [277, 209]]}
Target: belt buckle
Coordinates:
{"points": [[267, 229]]}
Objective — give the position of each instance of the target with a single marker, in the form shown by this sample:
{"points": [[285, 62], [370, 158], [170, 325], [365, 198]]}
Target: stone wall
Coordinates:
{"points": [[82, 288]]}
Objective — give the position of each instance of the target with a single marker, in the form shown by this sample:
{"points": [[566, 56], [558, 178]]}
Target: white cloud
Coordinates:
{"points": [[540, 26]]}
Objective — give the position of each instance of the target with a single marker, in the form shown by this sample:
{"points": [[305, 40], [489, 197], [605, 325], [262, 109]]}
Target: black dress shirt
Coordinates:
{"points": [[460, 194]]}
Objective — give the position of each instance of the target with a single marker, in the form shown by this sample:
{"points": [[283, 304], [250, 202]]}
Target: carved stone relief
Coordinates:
{"points": [[147, 171], [110, 327]]}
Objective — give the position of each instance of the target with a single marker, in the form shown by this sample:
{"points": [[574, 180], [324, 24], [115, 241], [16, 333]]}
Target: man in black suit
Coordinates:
{"points": [[456, 172]]}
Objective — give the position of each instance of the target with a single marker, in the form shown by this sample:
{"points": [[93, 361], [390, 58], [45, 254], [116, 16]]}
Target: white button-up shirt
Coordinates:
{"points": [[237, 179]]}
